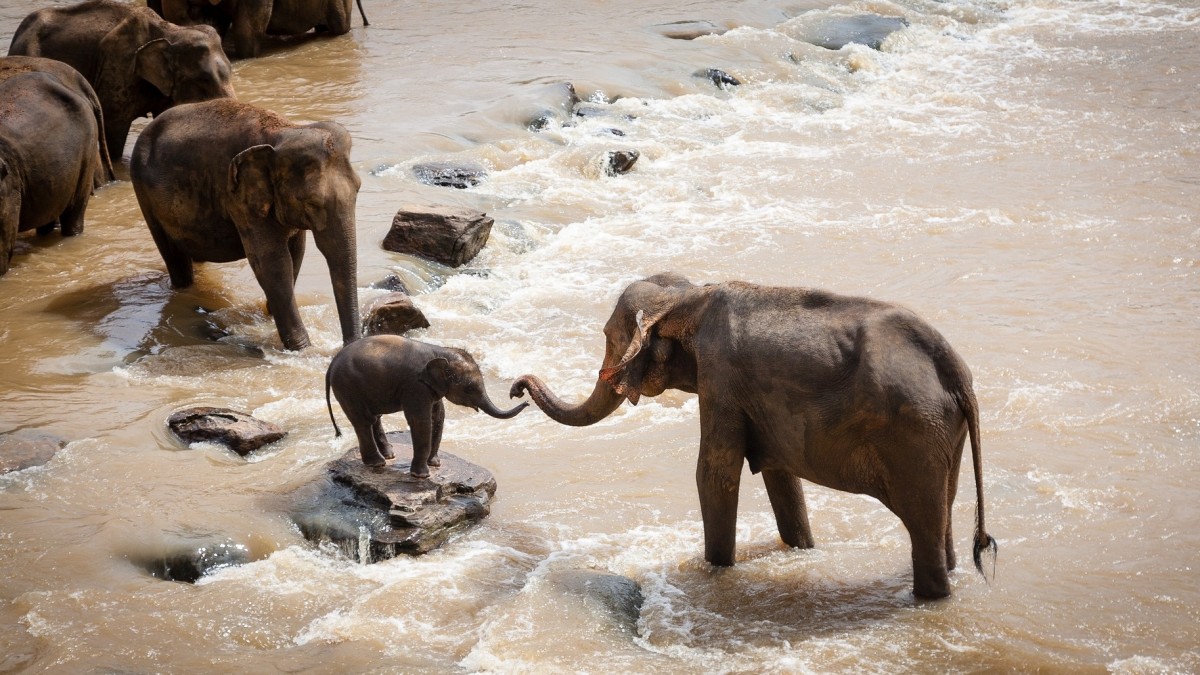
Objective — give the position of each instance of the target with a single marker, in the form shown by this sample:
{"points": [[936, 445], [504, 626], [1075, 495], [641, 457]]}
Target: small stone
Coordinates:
{"points": [[446, 174], [448, 235], [236, 430], [618, 162], [393, 314], [391, 283], [24, 450], [557, 102], [718, 77]]}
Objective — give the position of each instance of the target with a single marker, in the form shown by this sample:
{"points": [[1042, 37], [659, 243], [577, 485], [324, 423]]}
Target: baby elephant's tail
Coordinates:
{"points": [[336, 431]]}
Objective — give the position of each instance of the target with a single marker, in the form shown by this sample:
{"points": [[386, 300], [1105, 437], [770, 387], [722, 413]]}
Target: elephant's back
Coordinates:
{"points": [[69, 34]]}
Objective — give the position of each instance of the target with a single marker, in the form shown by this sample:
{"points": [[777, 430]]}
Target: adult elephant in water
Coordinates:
{"points": [[222, 180], [252, 20], [139, 64], [850, 393]]}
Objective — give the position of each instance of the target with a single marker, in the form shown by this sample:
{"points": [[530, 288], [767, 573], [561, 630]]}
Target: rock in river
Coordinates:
{"points": [[393, 314], [373, 515], [449, 235], [236, 430]]}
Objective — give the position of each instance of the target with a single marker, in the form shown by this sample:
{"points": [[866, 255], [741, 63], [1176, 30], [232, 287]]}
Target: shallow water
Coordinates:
{"points": [[1022, 173]]}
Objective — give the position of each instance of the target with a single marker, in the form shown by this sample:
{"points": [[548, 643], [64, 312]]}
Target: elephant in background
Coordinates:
{"points": [[222, 180], [138, 63], [11, 66], [850, 393], [49, 157], [383, 374], [252, 20]]}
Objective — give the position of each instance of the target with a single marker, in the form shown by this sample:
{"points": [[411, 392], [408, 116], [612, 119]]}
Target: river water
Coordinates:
{"points": [[1025, 174]]}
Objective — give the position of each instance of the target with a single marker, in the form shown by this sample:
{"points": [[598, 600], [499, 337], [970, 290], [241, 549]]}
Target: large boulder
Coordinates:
{"points": [[23, 450], [371, 514], [236, 430], [449, 235], [393, 314]]}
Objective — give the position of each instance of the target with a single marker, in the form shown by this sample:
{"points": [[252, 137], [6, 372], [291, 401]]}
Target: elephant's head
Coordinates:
{"points": [[186, 64], [457, 378], [645, 353], [304, 181]]}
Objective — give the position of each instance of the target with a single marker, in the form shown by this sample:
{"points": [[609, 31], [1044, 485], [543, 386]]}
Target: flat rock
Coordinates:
{"points": [[393, 314], [448, 174], [688, 30], [23, 450], [236, 430], [835, 32], [373, 514], [449, 235]]}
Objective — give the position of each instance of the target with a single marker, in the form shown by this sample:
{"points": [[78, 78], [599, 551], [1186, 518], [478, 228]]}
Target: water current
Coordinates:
{"points": [[1025, 174]]}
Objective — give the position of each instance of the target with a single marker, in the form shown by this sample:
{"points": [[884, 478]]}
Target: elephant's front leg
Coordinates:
{"points": [[718, 471], [271, 261], [787, 501], [438, 420], [420, 424]]}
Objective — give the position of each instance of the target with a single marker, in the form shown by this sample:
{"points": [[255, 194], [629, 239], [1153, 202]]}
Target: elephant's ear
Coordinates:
{"points": [[626, 377], [250, 182], [153, 64], [436, 376]]}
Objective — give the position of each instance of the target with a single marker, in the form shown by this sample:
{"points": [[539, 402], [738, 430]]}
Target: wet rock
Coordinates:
{"points": [[718, 77], [372, 515], [26, 449], [449, 235], [688, 30], [391, 283], [393, 314], [557, 103], [190, 563], [618, 162], [236, 430], [613, 596], [835, 32], [449, 174]]}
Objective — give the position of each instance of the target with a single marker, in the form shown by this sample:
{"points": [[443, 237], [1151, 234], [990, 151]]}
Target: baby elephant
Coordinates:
{"points": [[384, 374]]}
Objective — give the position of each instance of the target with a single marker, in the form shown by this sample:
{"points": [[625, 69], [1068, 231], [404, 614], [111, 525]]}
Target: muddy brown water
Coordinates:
{"points": [[1023, 173]]}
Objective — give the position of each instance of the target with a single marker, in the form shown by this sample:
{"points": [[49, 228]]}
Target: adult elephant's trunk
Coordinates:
{"points": [[600, 404], [486, 405], [338, 247]]}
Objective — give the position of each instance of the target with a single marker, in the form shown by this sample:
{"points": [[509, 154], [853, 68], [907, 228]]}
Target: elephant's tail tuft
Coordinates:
{"points": [[336, 431]]}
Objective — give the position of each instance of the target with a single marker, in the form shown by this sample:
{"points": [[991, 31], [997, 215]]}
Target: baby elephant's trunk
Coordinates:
{"points": [[490, 408]]}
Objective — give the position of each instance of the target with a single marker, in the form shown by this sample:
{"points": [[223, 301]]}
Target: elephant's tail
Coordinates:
{"points": [[983, 541], [363, 14], [328, 404]]}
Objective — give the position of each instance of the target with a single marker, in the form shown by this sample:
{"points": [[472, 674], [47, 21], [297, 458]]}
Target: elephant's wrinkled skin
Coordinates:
{"points": [[138, 63], [221, 180], [384, 374], [251, 20], [850, 393], [11, 66], [49, 157]]}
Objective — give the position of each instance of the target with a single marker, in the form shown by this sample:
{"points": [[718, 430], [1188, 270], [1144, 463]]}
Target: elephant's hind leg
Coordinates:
{"points": [[787, 501], [178, 262], [922, 509], [381, 441]]}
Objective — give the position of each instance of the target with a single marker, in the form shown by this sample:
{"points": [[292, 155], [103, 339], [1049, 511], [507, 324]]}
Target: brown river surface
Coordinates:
{"points": [[1025, 174]]}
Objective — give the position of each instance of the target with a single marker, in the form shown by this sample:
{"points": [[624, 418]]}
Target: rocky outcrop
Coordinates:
{"points": [[449, 235], [236, 430], [23, 450], [449, 174], [393, 314], [373, 515]]}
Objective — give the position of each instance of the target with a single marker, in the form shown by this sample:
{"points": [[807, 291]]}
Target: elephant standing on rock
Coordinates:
{"points": [[11, 66], [850, 393], [384, 374], [221, 180], [138, 63], [252, 20], [49, 157]]}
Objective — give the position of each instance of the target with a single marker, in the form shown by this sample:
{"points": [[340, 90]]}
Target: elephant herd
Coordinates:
{"points": [[849, 393]]}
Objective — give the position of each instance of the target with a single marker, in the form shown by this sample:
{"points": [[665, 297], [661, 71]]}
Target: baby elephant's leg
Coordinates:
{"points": [[364, 427], [420, 423], [438, 420], [381, 441]]}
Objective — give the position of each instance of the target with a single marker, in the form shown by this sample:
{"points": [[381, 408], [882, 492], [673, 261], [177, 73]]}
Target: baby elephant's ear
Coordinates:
{"points": [[437, 376]]}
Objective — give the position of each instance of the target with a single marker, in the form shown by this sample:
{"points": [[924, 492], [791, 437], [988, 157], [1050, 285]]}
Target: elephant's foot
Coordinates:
{"points": [[386, 451], [434, 461], [418, 473]]}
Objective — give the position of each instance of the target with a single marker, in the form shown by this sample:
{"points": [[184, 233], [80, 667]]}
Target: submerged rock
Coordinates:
{"points": [[190, 563], [449, 235], [557, 102], [613, 596], [393, 314], [720, 78], [447, 174], [236, 430], [23, 450], [372, 515], [688, 30], [835, 32], [618, 162], [391, 283]]}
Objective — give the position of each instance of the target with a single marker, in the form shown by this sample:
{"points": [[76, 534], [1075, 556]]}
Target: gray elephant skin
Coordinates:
{"points": [[11, 66], [850, 393], [252, 20], [384, 374], [138, 63], [221, 180], [49, 157]]}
